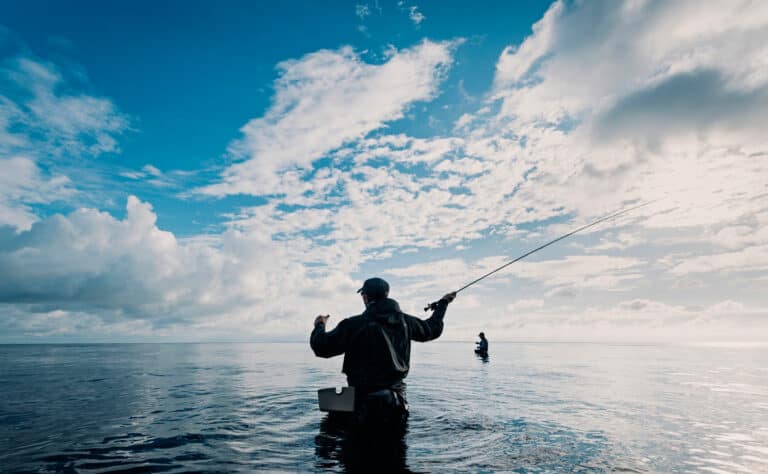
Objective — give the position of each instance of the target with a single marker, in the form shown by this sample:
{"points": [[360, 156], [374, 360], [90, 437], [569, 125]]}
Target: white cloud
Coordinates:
{"points": [[656, 100], [526, 304], [10, 115], [324, 100], [152, 170], [362, 11], [403, 149], [66, 123], [40, 123], [463, 121], [748, 259], [22, 184], [415, 15], [90, 274], [151, 177], [745, 232], [119, 270], [640, 320], [620, 241], [573, 272], [516, 62], [636, 45]]}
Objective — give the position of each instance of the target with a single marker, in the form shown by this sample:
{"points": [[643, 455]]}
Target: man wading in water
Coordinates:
{"points": [[482, 346], [377, 351]]}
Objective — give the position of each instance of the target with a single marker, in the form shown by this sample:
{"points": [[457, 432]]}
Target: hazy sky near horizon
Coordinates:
{"points": [[172, 171]]}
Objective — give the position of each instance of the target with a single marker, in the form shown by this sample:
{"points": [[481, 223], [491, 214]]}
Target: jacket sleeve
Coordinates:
{"points": [[329, 344], [423, 330]]}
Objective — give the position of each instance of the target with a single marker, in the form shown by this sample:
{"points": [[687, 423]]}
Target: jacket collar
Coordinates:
{"points": [[382, 306]]}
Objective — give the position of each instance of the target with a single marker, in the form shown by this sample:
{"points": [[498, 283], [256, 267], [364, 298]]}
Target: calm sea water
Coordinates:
{"points": [[245, 407]]}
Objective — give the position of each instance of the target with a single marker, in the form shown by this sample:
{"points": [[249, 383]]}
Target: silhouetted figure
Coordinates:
{"points": [[482, 346], [377, 351]]}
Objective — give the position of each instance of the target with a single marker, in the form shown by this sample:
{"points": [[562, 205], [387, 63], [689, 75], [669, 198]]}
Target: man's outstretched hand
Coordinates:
{"points": [[447, 299], [322, 319]]}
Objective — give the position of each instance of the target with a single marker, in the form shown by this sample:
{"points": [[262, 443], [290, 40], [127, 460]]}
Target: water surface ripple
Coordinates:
{"points": [[245, 407]]}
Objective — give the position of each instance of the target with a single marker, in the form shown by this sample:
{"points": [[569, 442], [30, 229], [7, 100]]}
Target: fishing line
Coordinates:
{"points": [[433, 305]]}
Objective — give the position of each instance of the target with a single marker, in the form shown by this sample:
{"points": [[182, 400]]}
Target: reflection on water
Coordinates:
{"points": [[338, 444], [246, 407]]}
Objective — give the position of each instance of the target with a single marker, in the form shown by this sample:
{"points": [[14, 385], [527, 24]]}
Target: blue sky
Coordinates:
{"points": [[225, 172], [189, 76]]}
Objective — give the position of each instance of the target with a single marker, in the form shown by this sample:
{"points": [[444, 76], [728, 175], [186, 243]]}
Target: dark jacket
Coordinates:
{"points": [[482, 346], [377, 344]]}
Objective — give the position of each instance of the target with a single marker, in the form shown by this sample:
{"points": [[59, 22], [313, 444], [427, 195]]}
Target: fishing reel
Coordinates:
{"points": [[447, 298]]}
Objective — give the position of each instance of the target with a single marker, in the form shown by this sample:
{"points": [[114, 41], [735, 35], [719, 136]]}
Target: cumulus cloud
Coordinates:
{"points": [[608, 103], [690, 102], [324, 100], [631, 46], [655, 100], [604, 105], [649, 86], [115, 271], [614, 102]]}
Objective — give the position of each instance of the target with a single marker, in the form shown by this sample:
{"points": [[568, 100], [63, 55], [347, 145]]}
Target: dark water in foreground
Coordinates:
{"points": [[245, 407]]}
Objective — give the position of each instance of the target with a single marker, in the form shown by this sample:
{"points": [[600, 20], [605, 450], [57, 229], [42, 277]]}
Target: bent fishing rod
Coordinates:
{"points": [[433, 305]]}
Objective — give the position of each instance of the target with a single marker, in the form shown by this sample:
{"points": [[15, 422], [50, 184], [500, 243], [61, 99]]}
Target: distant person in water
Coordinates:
{"points": [[482, 345], [377, 350]]}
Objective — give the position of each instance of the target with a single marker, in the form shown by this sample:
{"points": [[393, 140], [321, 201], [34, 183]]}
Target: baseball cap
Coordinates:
{"points": [[374, 288]]}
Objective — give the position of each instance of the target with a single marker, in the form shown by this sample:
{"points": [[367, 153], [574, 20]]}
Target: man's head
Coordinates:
{"points": [[374, 289], [482, 335]]}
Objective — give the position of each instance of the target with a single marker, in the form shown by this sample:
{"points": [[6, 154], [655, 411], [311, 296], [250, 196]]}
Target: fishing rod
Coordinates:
{"points": [[433, 305]]}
